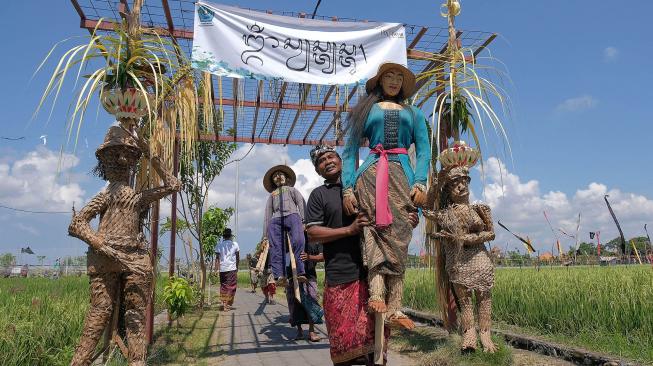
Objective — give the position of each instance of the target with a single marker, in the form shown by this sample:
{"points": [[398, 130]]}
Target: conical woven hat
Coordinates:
{"points": [[117, 136], [267, 179]]}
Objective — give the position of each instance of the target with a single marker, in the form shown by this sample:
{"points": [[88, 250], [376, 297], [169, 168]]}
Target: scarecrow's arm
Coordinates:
{"points": [[170, 185], [80, 226]]}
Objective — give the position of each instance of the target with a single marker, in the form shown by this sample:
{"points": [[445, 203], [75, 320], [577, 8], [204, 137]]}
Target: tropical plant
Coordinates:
{"points": [[464, 95], [141, 77], [178, 296]]}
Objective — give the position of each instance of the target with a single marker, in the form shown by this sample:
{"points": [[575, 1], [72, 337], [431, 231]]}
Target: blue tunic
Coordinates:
{"points": [[380, 129]]}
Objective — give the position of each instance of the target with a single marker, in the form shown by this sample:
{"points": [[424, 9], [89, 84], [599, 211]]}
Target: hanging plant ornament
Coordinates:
{"points": [[460, 154], [130, 103]]}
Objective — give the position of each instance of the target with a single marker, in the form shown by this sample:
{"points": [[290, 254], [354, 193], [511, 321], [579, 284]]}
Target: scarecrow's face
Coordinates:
{"points": [[391, 82], [459, 189], [279, 179], [118, 162]]}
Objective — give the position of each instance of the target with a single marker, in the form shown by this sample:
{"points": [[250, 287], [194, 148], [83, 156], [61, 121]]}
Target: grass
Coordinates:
{"points": [[43, 318], [604, 309], [192, 339], [433, 347]]}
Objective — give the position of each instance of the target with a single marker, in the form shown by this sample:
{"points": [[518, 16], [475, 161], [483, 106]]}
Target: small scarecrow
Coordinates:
{"points": [[463, 264]]}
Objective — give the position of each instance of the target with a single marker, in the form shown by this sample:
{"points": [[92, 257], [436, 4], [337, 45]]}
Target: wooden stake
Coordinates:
{"points": [[293, 267], [379, 320]]}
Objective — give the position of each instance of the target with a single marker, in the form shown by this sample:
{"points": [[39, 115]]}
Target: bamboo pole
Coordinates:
{"points": [[293, 267]]}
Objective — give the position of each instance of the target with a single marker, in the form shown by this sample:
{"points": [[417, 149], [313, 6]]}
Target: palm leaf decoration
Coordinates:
{"points": [[466, 99], [151, 66]]}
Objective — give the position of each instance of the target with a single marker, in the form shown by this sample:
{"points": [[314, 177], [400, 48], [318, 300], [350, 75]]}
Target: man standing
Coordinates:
{"points": [[350, 327], [253, 274], [226, 260]]}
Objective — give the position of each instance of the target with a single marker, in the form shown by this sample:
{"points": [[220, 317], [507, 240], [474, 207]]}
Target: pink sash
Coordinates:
{"points": [[383, 213]]}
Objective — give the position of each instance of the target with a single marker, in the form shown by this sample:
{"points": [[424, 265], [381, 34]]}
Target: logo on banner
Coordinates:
{"points": [[206, 15]]}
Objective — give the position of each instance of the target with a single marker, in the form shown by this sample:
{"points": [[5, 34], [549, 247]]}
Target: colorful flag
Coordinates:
{"points": [[527, 241]]}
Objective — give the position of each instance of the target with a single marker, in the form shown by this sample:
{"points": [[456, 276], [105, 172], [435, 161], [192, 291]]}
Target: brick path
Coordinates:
{"points": [[255, 334]]}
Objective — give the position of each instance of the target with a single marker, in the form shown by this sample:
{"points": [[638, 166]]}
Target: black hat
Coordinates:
{"points": [[226, 233]]}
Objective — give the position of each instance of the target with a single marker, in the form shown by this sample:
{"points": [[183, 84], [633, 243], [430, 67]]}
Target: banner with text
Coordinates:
{"points": [[241, 43]]}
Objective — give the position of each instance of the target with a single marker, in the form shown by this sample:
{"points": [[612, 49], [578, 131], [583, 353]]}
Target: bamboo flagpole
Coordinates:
{"points": [[632, 242], [527, 241], [621, 233]]}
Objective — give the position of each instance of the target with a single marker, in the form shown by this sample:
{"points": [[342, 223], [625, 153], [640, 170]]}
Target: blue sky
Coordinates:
{"points": [[580, 124]]}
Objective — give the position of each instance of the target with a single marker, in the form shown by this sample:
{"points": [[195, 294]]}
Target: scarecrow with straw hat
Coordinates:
{"points": [[386, 188], [462, 262], [284, 216], [118, 258]]}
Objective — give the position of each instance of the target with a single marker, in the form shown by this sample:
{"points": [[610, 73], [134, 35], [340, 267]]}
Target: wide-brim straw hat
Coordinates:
{"points": [[408, 86], [117, 136], [267, 179]]}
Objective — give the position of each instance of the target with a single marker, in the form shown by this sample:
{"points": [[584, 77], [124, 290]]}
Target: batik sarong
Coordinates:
{"points": [[228, 286], [350, 326], [385, 250], [267, 284], [309, 311]]}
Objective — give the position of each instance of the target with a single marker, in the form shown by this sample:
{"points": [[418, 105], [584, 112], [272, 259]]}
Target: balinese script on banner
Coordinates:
{"points": [[241, 43]]}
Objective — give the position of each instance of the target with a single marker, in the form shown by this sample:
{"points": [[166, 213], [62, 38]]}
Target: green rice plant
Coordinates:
{"points": [[42, 319], [605, 309]]}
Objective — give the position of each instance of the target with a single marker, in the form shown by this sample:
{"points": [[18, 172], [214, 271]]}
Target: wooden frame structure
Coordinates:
{"points": [[267, 112]]}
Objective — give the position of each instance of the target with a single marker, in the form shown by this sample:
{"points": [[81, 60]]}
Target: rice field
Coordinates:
{"points": [[42, 319], [604, 309]]}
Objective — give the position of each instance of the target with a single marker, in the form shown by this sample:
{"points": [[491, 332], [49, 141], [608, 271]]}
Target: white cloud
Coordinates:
{"points": [[610, 54], [517, 203], [520, 205], [577, 104], [39, 181]]}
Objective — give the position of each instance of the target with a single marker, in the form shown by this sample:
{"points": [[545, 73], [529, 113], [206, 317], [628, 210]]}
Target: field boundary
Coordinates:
{"points": [[573, 354]]}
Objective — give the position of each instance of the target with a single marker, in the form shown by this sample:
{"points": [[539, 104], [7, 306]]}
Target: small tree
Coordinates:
{"points": [[7, 259]]}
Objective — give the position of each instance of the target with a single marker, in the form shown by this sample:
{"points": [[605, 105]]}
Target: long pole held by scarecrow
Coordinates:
{"points": [[621, 233]]}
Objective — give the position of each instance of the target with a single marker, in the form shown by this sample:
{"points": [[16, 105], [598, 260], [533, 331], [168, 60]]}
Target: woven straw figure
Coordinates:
{"points": [[464, 263], [118, 258]]}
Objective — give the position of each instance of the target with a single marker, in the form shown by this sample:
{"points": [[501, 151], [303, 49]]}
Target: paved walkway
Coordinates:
{"points": [[255, 334]]}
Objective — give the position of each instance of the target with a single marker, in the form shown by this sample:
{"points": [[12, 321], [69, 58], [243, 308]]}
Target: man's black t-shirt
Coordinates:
{"points": [[309, 265], [342, 258]]}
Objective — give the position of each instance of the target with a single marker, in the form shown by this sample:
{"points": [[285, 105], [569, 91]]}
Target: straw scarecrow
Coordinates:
{"points": [[118, 259], [385, 188], [462, 261], [284, 215]]}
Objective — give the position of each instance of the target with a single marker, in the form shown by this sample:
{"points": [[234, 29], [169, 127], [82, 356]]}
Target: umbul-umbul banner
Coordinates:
{"points": [[240, 43]]}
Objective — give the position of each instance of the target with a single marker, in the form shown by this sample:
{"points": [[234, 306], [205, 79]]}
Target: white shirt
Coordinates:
{"points": [[227, 250]]}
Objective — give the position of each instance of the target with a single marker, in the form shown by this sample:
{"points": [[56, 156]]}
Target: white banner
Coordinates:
{"points": [[241, 43]]}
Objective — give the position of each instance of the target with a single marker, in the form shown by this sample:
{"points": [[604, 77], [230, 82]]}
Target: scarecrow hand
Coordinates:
{"points": [[349, 203], [414, 219], [443, 235], [418, 196]]}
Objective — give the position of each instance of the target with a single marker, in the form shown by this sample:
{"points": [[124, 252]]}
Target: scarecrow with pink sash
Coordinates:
{"points": [[386, 188]]}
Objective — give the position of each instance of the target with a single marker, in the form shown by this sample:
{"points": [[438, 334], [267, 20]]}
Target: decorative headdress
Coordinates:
{"points": [[457, 160]]}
